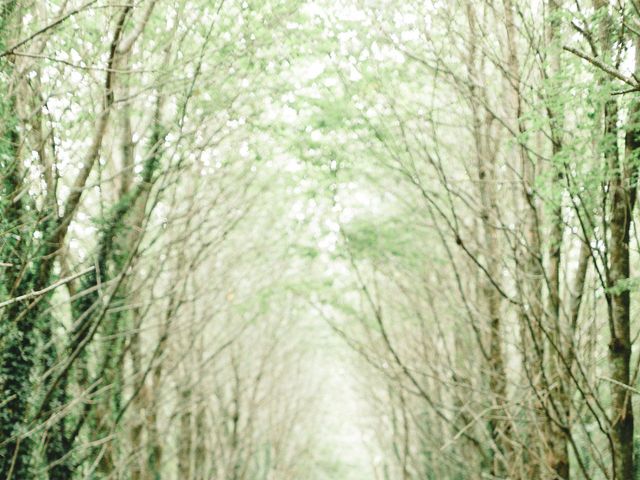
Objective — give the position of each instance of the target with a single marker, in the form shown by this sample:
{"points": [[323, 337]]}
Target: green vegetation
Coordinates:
{"points": [[291, 240]]}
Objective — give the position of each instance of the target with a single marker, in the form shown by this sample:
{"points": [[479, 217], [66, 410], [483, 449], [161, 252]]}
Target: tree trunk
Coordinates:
{"points": [[623, 197]]}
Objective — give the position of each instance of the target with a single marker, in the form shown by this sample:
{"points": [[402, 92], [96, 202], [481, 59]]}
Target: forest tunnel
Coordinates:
{"points": [[319, 240]]}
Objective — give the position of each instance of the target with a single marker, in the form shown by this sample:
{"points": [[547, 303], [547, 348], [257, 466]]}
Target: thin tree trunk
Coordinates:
{"points": [[557, 451], [623, 197], [485, 162]]}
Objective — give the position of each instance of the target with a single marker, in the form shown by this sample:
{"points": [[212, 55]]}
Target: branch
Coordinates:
{"points": [[604, 67], [620, 384], [128, 42], [45, 290], [10, 50]]}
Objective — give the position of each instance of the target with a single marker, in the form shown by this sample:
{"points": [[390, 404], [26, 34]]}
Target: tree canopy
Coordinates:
{"points": [[296, 239]]}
